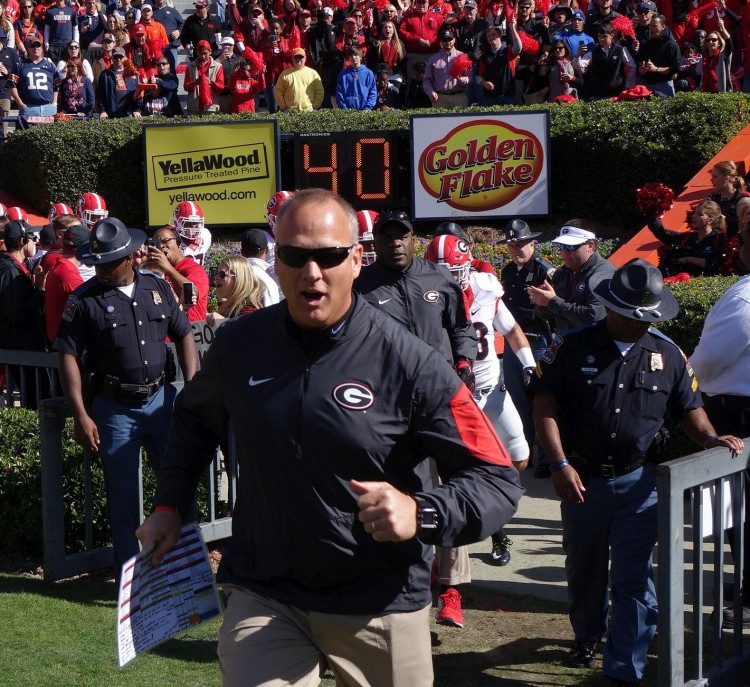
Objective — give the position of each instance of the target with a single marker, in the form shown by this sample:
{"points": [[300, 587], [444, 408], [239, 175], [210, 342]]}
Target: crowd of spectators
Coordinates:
{"points": [[283, 55]]}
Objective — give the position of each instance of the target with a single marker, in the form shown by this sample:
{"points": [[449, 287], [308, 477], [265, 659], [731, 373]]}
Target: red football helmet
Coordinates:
{"points": [[15, 214], [59, 209], [273, 205], [90, 208], [453, 253], [188, 221], [366, 220]]}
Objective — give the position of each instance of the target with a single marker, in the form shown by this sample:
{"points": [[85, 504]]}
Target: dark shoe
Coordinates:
{"points": [[583, 654], [621, 683], [501, 550], [728, 620], [542, 471]]}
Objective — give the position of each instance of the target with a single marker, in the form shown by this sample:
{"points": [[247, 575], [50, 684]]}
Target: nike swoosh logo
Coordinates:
{"points": [[255, 382], [385, 301]]}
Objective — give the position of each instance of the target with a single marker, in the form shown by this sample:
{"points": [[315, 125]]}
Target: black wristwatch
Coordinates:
{"points": [[427, 518]]}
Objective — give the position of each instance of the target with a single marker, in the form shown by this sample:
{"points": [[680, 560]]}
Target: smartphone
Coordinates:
{"points": [[187, 293], [154, 241]]}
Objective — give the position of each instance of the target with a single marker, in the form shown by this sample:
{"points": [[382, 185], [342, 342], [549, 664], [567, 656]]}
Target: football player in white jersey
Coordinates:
{"points": [[189, 222], [489, 314], [272, 210]]}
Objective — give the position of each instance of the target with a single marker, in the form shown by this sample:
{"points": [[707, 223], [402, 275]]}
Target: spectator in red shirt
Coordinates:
{"points": [[244, 86], [63, 278], [419, 31], [179, 269]]}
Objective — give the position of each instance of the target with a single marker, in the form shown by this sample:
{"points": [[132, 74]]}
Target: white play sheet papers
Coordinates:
{"points": [[155, 604]]}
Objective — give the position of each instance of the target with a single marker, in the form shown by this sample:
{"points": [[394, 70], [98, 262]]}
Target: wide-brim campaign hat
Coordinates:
{"points": [[636, 290], [517, 231], [110, 240]]}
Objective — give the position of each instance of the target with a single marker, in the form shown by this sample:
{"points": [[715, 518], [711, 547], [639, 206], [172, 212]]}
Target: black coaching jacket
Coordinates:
{"points": [[363, 400]]}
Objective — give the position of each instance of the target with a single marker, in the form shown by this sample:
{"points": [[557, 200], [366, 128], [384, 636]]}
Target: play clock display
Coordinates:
{"points": [[361, 166]]}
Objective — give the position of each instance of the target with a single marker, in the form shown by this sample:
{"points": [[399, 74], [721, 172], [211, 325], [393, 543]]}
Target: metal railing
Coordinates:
{"points": [[685, 561], [58, 564], [18, 366]]}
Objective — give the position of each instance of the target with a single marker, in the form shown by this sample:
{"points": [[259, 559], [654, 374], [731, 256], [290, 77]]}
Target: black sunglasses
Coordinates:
{"points": [[568, 249], [292, 256]]}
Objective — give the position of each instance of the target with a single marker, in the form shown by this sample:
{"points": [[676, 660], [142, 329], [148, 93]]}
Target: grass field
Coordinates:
{"points": [[63, 635]]}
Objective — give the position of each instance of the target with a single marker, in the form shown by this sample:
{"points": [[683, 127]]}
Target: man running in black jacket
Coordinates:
{"points": [[334, 408]]}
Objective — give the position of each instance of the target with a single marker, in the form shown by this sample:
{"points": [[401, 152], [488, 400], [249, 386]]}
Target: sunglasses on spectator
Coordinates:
{"points": [[712, 40], [118, 57], [163, 64], [562, 247], [295, 257], [559, 47], [221, 274]]}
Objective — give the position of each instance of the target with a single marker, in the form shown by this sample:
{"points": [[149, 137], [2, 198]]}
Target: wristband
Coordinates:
{"points": [[709, 439], [166, 509], [526, 357], [559, 465]]}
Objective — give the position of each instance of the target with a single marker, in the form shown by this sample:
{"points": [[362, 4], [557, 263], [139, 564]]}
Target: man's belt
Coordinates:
{"points": [[115, 390], [450, 92], [608, 471], [535, 335]]}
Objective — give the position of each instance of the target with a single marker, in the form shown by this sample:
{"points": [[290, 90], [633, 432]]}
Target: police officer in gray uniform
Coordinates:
{"points": [[117, 324]]}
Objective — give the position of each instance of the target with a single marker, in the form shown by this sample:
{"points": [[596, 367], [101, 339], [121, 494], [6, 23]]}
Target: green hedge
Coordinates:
{"points": [[601, 152], [21, 489]]}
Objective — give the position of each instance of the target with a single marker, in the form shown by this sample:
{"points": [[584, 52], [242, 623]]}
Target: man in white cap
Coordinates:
{"points": [[228, 60], [569, 300]]}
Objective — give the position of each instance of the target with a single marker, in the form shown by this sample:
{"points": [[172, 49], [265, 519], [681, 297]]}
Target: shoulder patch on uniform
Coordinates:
{"points": [[551, 351], [70, 308]]}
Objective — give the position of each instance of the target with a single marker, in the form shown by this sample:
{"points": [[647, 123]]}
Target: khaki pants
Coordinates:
{"points": [[264, 642], [452, 566], [455, 100]]}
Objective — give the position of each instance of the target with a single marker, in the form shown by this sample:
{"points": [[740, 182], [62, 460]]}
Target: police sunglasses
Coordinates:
{"points": [[292, 256]]}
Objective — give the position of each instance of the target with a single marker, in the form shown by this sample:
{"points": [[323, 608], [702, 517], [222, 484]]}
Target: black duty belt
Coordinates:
{"points": [[113, 389], [608, 471], [450, 92], [534, 335]]}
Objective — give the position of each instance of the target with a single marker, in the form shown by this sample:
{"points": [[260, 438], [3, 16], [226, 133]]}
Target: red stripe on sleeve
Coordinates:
{"points": [[476, 430]]}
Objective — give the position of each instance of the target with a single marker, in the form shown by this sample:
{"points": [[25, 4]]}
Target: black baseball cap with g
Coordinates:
{"points": [[110, 240], [446, 35], [397, 217], [15, 230]]}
